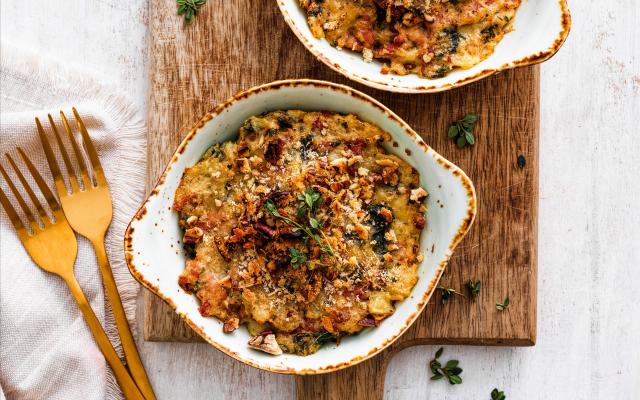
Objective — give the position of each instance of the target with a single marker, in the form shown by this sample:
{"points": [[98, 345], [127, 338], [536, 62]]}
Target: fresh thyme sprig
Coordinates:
{"points": [[451, 370], [462, 130], [297, 258], [189, 8], [503, 306], [497, 394], [474, 288], [310, 200], [447, 292]]}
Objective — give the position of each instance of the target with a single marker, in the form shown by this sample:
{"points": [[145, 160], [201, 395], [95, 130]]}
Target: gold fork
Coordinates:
{"points": [[53, 247], [89, 212]]}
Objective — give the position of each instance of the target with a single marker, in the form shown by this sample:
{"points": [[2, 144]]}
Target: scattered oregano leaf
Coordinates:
{"points": [[297, 258], [450, 370], [461, 131], [503, 306], [447, 292], [474, 288], [497, 394], [189, 8]]}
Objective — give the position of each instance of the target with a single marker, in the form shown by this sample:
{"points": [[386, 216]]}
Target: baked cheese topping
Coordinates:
{"points": [[426, 37], [304, 229]]}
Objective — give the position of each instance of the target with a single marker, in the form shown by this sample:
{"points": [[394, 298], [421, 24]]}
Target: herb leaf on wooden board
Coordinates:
{"points": [[497, 395], [189, 8], [450, 370], [474, 288], [461, 131], [503, 306], [447, 292]]}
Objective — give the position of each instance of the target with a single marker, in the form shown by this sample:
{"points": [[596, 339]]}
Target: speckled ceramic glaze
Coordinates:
{"points": [[540, 29], [152, 241]]}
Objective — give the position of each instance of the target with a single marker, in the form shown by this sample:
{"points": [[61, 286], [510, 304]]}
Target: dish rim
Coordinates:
{"points": [[462, 229], [398, 88]]}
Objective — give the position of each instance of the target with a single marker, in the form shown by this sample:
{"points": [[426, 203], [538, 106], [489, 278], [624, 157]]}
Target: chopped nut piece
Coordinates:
{"points": [[192, 235], [231, 325], [218, 203], [362, 231], [418, 194], [192, 220], [386, 214], [420, 257], [368, 55], [266, 343], [387, 162], [363, 171]]}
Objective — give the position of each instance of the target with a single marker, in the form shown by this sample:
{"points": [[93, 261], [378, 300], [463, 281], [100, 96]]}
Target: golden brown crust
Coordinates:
{"points": [[303, 228], [426, 37]]}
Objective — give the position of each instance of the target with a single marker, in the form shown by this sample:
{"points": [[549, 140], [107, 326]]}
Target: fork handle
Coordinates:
{"points": [[128, 386], [128, 343]]}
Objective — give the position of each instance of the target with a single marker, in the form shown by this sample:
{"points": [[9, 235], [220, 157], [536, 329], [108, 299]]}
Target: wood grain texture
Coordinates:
{"points": [[230, 47]]}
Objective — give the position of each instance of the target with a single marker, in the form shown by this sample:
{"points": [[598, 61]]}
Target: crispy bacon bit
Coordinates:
{"points": [[268, 232], [231, 325], [356, 145], [266, 343], [274, 151], [204, 308], [419, 221], [192, 235], [368, 322]]}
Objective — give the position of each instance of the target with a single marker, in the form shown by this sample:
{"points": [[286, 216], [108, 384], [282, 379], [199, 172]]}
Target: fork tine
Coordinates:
{"points": [[76, 150], [16, 194], [51, 160], [32, 195], [91, 150], [65, 156], [44, 188], [13, 215]]}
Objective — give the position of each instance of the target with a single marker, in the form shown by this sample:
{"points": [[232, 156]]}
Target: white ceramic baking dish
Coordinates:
{"points": [[540, 29], [152, 240]]}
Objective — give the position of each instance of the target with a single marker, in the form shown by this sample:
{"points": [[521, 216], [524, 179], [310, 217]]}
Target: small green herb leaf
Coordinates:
{"points": [[447, 292], [470, 138], [474, 288], [503, 306], [271, 208], [461, 131], [189, 8], [297, 258], [314, 223], [497, 394], [451, 370], [324, 338]]}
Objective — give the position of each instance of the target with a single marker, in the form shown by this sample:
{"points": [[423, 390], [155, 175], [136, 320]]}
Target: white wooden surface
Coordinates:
{"points": [[589, 268]]}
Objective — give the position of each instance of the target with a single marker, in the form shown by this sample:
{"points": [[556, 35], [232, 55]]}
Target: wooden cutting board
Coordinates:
{"points": [[235, 44]]}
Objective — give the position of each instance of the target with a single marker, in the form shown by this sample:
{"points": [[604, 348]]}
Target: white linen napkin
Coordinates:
{"points": [[46, 349]]}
